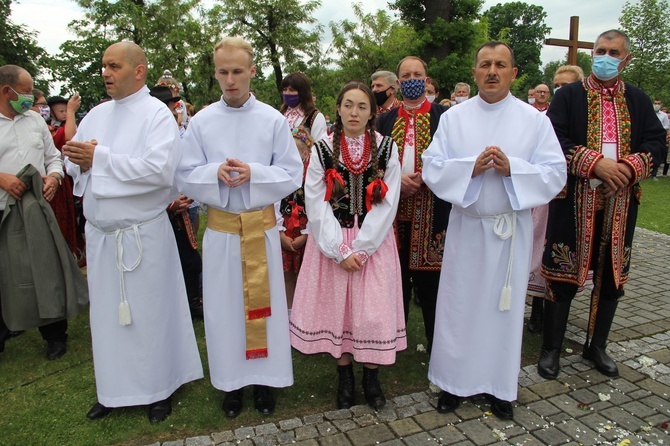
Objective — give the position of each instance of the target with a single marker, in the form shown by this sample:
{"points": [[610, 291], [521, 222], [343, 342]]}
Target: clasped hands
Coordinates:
{"points": [[491, 158], [234, 165], [614, 175]]}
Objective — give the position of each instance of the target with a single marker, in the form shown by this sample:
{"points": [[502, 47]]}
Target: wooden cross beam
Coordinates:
{"points": [[573, 43]]}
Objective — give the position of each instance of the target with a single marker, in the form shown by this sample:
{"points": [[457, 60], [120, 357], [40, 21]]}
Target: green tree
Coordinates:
{"points": [[646, 23], [448, 33], [175, 34], [276, 30], [522, 27], [19, 45]]}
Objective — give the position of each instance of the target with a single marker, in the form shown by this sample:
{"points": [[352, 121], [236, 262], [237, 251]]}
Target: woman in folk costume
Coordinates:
{"points": [[348, 300], [292, 220], [298, 105]]}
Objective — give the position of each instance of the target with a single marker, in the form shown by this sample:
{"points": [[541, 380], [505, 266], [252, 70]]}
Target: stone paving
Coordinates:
{"points": [[580, 407]]}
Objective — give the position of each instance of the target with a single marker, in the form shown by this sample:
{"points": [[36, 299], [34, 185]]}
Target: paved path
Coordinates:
{"points": [[580, 407]]}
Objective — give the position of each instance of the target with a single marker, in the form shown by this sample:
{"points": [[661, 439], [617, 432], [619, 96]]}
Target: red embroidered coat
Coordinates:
{"points": [[570, 245]]}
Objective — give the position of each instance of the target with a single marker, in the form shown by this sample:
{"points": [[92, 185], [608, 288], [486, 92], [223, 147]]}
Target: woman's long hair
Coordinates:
{"points": [[299, 83]]}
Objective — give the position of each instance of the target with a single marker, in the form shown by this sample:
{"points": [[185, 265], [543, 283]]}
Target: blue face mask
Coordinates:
{"points": [[606, 67], [413, 88]]}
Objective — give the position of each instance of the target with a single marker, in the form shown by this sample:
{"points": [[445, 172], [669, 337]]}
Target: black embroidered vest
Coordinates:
{"points": [[353, 201]]}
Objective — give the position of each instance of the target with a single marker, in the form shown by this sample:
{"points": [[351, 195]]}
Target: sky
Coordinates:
{"points": [[50, 18]]}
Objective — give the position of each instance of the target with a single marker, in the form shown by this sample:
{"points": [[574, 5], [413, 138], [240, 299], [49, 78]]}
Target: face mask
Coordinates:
{"points": [[23, 103], [292, 100], [413, 88], [556, 89], [381, 97], [431, 97], [657, 108], [45, 112], [460, 99], [531, 101], [606, 67]]}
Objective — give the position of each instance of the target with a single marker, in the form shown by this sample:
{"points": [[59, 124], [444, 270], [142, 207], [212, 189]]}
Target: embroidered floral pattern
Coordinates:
{"points": [[563, 256]]}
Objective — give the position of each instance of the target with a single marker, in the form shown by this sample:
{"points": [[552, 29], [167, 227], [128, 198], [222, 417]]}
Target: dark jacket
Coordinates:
{"points": [[40, 281]]}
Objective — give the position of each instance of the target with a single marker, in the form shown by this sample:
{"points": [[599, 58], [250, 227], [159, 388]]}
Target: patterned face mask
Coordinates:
{"points": [[413, 88]]}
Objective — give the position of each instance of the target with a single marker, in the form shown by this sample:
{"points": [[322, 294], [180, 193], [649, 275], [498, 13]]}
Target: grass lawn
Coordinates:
{"points": [[45, 402], [654, 212]]}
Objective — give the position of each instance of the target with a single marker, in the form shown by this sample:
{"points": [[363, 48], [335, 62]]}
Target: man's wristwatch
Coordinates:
{"points": [[57, 177]]}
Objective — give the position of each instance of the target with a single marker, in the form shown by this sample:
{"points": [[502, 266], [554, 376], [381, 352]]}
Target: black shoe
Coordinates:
{"points": [[56, 349], [372, 389], [13, 334], [548, 365], [98, 411], [160, 410], [264, 401], [501, 409], [604, 364], [345, 387], [232, 403], [447, 402]]}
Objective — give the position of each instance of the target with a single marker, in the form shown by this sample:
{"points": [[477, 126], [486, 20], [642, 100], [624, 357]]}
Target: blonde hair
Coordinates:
{"points": [[573, 69], [236, 43]]}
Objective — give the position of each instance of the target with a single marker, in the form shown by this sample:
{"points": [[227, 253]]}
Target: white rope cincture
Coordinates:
{"points": [[505, 227], [124, 307]]}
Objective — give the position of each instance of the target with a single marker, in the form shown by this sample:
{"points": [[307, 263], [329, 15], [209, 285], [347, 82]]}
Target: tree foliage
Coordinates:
{"points": [[522, 27], [19, 45], [646, 23], [448, 33], [274, 29]]}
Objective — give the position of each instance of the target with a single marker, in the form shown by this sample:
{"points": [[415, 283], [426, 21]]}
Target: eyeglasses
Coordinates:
{"points": [[541, 92], [41, 104]]}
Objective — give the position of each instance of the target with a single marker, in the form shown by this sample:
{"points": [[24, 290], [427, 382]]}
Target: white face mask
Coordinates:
{"points": [[460, 99], [431, 97], [556, 89], [531, 101], [657, 108]]}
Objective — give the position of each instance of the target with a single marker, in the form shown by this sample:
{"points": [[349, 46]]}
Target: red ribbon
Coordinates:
{"points": [[331, 174], [370, 191], [294, 219]]}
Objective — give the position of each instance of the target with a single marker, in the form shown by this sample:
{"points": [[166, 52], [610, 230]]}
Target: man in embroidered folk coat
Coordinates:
{"points": [[610, 136], [422, 217]]}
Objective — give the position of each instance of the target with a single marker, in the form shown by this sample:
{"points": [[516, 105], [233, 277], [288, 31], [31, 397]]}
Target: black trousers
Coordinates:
{"points": [[426, 284]]}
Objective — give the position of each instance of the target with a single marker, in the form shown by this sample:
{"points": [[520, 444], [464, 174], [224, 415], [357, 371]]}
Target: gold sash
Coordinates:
{"points": [[251, 227]]}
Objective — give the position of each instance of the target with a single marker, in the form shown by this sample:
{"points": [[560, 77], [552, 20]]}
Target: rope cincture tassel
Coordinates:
{"points": [[505, 227]]}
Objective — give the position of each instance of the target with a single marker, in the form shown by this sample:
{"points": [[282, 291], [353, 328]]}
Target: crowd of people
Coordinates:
{"points": [[320, 234]]}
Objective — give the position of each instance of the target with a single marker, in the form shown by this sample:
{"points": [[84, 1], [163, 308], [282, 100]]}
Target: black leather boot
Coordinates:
{"points": [[345, 387], [193, 293], [372, 389], [555, 320], [596, 351], [535, 322]]}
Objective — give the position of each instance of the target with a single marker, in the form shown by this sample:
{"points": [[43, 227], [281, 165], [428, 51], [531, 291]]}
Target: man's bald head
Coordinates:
{"points": [[134, 55], [541, 95], [124, 66]]}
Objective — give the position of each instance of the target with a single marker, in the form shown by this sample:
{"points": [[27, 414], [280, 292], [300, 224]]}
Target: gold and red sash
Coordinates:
{"points": [[251, 227]]}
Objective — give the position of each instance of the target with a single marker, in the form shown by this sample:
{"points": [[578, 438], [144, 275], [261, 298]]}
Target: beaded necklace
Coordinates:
{"points": [[359, 167]]}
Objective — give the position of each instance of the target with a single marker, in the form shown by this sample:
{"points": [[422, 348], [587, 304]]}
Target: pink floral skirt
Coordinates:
{"points": [[361, 313]]}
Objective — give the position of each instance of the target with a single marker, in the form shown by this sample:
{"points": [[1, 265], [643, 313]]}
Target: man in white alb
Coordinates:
{"points": [[123, 160], [494, 158], [239, 159]]}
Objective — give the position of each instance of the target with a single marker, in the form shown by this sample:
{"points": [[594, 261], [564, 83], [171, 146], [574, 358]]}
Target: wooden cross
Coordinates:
{"points": [[573, 43]]}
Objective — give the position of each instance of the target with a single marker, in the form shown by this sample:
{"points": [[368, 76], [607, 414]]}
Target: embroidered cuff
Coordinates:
{"points": [[345, 251], [583, 161], [363, 256], [641, 165]]}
